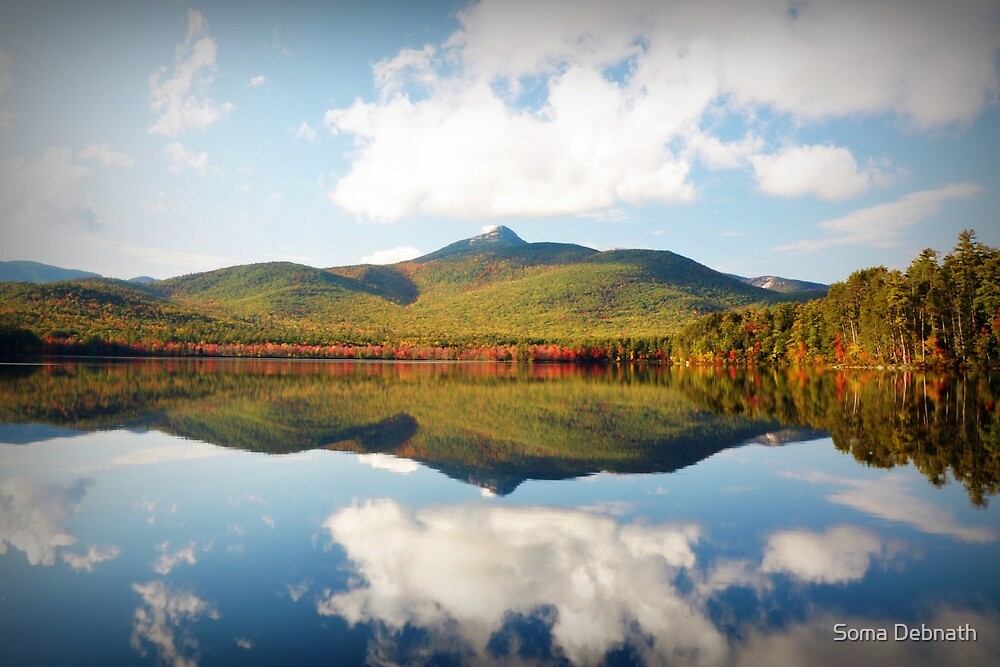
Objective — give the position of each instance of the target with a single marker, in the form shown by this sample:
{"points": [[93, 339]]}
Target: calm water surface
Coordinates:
{"points": [[265, 512]]}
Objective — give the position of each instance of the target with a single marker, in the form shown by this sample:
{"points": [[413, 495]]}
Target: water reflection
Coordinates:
{"points": [[129, 541], [162, 622], [536, 585], [492, 578], [33, 517], [497, 425], [93, 556], [809, 643], [168, 560], [839, 555], [889, 497]]}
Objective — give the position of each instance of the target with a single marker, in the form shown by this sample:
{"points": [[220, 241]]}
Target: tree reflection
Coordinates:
{"points": [[497, 424], [941, 423]]}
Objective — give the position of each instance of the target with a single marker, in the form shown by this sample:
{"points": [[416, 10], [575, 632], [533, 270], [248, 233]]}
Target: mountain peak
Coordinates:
{"points": [[498, 234], [493, 239]]}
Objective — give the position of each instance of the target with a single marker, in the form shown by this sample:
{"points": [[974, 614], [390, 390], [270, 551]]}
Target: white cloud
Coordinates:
{"points": [[518, 113], [929, 64], [464, 569], [32, 517], [840, 555], [276, 196], [305, 131], [161, 620], [465, 153], [824, 171], [392, 74], [718, 154], [44, 192], [180, 100], [884, 224], [267, 520], [92, 557], [258, 80], [167, 561], [182, 157], [106, 156], [391, 256]]}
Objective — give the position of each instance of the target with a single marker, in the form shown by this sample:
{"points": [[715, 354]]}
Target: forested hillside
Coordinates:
{"points": [[492, 296], [937, 311], [495, 296]]}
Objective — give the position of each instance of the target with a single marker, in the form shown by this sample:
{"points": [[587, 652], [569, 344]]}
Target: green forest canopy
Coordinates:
{"points": [[623, 307]]}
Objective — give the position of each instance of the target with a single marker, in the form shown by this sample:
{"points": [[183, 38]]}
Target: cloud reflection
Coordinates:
{"points": [[92, 557], [840, 555], [167, 561], [388, 462], [162, 619], [811, 643], [32, 517], [889, 498], [296, 591], [480, 571]]}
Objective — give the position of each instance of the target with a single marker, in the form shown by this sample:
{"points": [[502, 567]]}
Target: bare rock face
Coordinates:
{"points": [[499, 234]]}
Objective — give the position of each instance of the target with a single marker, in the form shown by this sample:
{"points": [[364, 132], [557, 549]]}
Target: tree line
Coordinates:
{"points": [[938, 312]]}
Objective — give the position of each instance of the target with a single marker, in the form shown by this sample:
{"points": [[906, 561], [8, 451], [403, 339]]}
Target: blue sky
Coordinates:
{"points": [[804, 139]]}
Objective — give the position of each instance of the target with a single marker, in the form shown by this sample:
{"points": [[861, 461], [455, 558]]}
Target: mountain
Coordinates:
{"points": [[35, 272], [494, 239], [786, 285], [490, 289], [494, 285]]}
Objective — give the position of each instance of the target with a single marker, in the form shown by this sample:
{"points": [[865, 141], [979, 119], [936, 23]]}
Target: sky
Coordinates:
{"points": [[798, 138]]}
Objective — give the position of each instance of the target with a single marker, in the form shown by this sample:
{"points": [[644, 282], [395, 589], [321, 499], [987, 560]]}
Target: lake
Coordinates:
{"points": [[212, 512]]}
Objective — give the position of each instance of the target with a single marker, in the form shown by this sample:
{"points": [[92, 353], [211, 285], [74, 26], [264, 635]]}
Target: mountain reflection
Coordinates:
{"points": [[495, 425]]}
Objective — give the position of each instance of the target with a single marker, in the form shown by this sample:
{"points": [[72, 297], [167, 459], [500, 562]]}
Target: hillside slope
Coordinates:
{"points": [[489, 289], [36, 272]]}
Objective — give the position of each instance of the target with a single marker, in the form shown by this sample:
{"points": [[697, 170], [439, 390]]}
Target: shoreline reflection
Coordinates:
{"points": [[497, 425]]}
